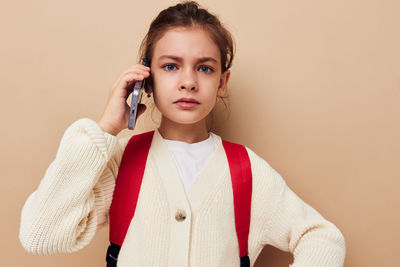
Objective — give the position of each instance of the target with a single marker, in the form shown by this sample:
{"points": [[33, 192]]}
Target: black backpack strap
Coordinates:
{"points": [[112, 255], [245, 261]]}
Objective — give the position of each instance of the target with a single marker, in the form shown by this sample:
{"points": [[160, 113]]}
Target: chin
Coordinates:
{"points": [[187, 120]]}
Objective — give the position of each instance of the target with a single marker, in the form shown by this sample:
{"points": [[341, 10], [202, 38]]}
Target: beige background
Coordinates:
{"points": [[315, 90]]}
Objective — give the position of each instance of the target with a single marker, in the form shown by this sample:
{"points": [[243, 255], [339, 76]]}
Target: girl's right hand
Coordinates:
{"points": [[115, 117]]}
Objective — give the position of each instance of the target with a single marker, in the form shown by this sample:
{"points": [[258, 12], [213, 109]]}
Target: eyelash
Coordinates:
{"points": [[210, 70]]}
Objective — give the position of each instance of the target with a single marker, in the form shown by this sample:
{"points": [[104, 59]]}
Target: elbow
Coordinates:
{"points": [[335, 246], [342, 239], [44, 246], [31, 244], [341, 242], [336, 238], [322, 245], [51, 241], [38, 241]]}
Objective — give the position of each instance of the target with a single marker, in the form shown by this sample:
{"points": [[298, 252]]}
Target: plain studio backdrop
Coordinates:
{"points": [[314, 90]]}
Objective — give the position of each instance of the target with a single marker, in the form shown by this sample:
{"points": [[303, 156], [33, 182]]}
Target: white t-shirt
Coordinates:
{"points": [[191, 158]]}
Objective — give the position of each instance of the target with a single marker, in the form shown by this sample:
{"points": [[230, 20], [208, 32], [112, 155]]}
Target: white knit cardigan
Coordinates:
{"points": [[74, 197]]}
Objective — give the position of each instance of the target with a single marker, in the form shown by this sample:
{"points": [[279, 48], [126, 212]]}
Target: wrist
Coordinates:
{"points": [[108, 129]]}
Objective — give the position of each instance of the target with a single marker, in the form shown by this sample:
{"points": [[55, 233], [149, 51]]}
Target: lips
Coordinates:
{"points": [[187, 103], [187, 100]]}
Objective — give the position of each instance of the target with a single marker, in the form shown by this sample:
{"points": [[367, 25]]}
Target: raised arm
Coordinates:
{"points": [[74, 196]]}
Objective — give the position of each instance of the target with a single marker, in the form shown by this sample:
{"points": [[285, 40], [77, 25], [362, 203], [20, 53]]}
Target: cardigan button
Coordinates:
{"points": [[180, 215]]}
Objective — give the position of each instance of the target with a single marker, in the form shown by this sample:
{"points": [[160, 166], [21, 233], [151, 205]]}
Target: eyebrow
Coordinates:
{"points": [[179, 59]]}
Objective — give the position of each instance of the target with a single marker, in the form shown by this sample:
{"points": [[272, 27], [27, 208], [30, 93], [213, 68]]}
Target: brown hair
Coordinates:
{"points": [[189, 14]]}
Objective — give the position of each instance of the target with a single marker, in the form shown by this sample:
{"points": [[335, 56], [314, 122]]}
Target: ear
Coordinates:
{"points": [[223, 83]]}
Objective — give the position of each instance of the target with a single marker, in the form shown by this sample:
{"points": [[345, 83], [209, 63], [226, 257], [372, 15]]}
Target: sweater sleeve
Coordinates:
{"points": [[74, 196], [292, 225]]}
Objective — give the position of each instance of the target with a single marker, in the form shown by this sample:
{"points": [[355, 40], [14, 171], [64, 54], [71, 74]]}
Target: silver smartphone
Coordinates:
{"points": [[137, 98]]}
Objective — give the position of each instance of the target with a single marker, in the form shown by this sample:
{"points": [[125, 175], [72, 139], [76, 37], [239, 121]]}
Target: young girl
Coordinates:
{"points": [[185, 213]]}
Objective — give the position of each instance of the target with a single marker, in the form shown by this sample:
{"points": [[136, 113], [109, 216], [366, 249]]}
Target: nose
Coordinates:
{"points": [[188, 86], [189, 82]]}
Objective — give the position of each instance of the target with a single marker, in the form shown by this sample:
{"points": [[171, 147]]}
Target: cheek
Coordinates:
{"points": [[162, 87], [156, 82], [212, 86], [161, 79]]}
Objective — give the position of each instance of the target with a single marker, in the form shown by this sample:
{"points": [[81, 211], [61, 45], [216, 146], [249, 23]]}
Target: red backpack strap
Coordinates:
{"points": [[240, 168], [128, 185]]}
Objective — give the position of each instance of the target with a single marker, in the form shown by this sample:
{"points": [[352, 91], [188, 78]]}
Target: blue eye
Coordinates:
{"points": [[205, 69], [169, 67]]}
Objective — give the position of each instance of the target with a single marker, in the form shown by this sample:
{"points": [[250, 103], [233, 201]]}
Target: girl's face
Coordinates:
{"points": [[187, 78]]}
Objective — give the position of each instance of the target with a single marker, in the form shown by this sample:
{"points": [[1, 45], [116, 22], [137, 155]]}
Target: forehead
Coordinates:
{"points": [[186, 42]]}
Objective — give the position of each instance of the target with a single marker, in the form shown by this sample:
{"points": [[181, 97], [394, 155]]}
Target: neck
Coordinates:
{"points": [[189, 133]]}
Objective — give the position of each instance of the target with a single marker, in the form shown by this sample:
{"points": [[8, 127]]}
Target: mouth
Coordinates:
{"points": [[187, 103], [187, 100]]}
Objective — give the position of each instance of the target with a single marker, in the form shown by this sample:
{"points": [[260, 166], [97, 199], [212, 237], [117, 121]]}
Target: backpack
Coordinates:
{"points": [[130, 177]]}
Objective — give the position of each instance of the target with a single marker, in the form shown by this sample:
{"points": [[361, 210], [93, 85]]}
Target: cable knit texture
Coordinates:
{"points": [[73, 199]]}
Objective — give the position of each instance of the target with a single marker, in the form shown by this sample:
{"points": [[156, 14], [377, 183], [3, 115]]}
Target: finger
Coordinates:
{"points": [[145, 73], [138, 67], [129, 78], [126, 84], [143, 67]]}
